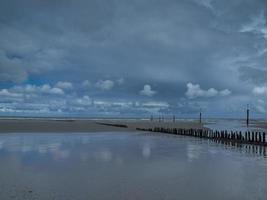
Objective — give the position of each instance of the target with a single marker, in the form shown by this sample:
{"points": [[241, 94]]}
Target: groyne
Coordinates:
{"points": [[248, 137]]}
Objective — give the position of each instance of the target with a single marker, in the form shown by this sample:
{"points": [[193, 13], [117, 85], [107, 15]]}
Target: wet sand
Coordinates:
{"points": [[127, 166], [46, 125], [258, 124]]}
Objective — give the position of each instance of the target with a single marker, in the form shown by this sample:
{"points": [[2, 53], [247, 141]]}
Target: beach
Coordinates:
{"points": [[62, 125], [92, 156]]}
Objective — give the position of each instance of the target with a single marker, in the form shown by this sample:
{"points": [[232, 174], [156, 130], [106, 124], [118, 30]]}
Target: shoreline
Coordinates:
{"points": [[67, 125]]}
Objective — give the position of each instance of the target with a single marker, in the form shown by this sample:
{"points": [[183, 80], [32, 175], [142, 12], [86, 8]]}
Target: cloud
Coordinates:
{"points": [[120, 81], [64, 85], [86, 83], [6, 93], [194, 91], [42, 89], [84, 101], [211, 43], [225, 92], [260, 106], [257, 25], [260, 90], [105, 85], [147, 91], [205, 3], [253, 74], [11, 69]]}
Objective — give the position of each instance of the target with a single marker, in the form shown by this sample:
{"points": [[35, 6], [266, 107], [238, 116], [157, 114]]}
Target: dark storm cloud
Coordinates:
{"points": [[155, 46]]}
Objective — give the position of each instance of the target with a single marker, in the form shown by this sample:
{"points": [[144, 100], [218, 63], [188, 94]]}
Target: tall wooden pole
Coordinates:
{"points": [[247, 115], [200, 117]]}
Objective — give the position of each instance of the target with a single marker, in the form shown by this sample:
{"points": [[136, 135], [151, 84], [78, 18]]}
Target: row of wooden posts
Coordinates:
{"points": [[161, 118], [248, 137], [173, 119]]}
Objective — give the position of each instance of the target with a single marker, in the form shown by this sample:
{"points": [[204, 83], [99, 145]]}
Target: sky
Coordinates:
{"points": [[133, 58]]}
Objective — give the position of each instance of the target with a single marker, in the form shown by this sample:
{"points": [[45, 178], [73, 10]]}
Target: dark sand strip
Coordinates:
{"points": [[37, 125]]}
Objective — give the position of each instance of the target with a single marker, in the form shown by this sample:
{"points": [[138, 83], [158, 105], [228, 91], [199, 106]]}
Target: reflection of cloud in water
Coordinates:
{"points": [[212, 151], [146, 150], [85, 140], [119, 160], [1, 145], [48, 148], [103, 155], [18, 144], [84, 156], [193, 152], [26, 148], [61, 154]]}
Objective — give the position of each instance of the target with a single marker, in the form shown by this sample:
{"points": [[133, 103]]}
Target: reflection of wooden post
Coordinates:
{"points": [[173, 119], [247, 115]]}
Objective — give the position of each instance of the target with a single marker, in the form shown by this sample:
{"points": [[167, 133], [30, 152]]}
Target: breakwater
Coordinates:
{"points": [[112, 124], [248, 137]]}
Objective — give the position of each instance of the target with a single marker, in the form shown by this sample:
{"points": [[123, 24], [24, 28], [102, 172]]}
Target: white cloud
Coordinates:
{"points": [[33, 89], [194, 91], [205, 3], [6, 93], [225, 92], [147, 91], [155, 104], [260, 90], [64, 85], [50, 90], [105, 85], [120, 81], [84, 101], [257, 25], [86, 83]]}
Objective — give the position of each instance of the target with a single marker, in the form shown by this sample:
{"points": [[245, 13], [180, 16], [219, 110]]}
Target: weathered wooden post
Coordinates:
{"points": [[247, 115], [200, 117], [263, 137]]}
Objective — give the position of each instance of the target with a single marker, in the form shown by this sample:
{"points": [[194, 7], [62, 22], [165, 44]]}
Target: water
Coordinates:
{"points": [[127, 166]]}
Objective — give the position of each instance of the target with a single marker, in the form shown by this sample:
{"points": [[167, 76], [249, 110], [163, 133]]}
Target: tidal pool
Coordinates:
{"points": [[79, 166]]}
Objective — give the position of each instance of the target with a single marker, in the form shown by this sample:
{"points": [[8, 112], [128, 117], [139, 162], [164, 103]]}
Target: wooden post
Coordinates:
{"points": [[200, 117], [247, 115]]}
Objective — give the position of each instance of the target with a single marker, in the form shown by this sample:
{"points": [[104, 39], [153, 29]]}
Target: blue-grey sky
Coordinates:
{"points": [[133, 57]]}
